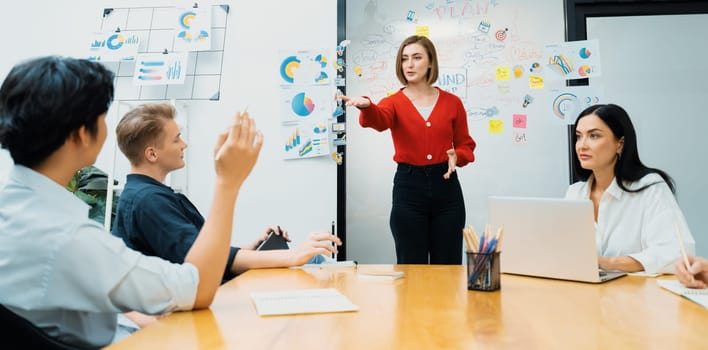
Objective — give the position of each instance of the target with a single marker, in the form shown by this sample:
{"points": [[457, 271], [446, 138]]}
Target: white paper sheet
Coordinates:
{"points": [[301, 301]]}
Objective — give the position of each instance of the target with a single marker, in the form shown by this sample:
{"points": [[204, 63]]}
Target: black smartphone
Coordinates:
{"points": [[273, 242]]}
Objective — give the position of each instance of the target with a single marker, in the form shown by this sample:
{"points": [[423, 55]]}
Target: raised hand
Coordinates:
{"points": [[237, 150]]}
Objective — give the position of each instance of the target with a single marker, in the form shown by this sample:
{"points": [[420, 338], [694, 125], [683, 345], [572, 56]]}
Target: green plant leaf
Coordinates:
{"points": [[87, 198], [74, 182], [89, 185]]}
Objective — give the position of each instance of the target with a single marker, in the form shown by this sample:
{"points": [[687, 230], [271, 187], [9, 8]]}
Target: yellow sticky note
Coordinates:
{"points": [[503, 73], [535, 82], [496, 126], [423, 31]]}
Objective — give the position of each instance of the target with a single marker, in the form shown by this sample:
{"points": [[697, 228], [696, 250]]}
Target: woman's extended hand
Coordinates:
{"points": [[358, 102]]}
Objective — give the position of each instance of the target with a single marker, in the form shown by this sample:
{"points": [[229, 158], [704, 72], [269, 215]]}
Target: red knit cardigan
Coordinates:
{"points": [[417, 141]]}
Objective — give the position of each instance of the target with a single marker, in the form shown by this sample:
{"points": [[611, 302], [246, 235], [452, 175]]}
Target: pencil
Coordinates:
{"points": [[500, 235], [475, 239], [683, 250], [466, 234]]}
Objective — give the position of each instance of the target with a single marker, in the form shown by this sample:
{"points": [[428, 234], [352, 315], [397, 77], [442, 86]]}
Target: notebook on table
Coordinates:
{"points": [[301, 301], [698, 296], [548, 237]]}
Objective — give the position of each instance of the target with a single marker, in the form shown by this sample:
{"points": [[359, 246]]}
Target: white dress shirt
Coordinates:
{"points": [[67, 275], [639, 224]]}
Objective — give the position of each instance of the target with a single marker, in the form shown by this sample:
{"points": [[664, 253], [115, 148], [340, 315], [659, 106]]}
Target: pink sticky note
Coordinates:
{"points": [[519, 121]]}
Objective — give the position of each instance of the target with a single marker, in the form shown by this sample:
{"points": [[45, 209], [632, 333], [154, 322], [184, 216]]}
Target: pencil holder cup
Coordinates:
{"points": [[483, 271]]}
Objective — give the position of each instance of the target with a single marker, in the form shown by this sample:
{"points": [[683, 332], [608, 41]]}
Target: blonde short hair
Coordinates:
{"points": [[141, 127], [432, 75]]}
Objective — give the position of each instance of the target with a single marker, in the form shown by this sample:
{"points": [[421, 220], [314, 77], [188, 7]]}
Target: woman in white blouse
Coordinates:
{"points": [[636, 214]]}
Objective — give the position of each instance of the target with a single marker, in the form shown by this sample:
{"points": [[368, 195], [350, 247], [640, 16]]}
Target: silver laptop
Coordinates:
{"points": [[548, 237]]}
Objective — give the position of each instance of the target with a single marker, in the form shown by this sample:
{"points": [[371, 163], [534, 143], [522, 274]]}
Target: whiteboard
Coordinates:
{"points": [[538, 167], [656, 71]]}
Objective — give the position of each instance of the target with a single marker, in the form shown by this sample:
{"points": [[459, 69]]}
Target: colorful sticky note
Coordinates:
{"points": [[519, 121], [496, 126], [503, 73], [423, 31], [535, 82]]}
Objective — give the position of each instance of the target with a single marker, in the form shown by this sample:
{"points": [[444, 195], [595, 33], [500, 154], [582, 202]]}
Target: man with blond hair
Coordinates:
{"points": [[155, 220]]}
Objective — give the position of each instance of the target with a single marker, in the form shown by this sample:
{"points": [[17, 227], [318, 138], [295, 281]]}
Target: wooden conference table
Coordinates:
{"points": [[431, 308]]}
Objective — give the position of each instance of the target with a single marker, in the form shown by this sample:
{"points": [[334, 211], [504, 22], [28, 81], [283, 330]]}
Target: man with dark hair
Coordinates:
{"points": [[62, 271], [153, 219]]}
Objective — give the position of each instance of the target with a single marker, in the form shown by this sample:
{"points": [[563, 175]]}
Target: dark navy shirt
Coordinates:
{"points": [[155, 220]]}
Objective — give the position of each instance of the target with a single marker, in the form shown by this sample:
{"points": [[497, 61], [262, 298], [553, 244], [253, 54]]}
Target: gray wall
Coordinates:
{"points": [[655, 67]]}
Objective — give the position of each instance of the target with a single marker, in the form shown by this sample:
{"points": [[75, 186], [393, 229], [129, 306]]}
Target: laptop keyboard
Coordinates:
{"points": [[604, 275]]}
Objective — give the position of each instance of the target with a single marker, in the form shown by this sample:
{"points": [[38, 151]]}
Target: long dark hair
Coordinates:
{"points": [[628, 166]]}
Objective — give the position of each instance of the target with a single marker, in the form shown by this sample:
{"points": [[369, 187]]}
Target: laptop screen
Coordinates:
{"points": [[546, 237]]}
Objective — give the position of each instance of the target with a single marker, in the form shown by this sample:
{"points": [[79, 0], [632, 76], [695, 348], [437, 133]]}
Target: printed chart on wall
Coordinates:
{"points": [[307, 103], [573, 60], [160, 53], [569, 101]]}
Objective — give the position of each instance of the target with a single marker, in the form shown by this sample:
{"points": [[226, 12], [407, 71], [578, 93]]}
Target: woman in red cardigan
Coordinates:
{"points": [[430, 138]]}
